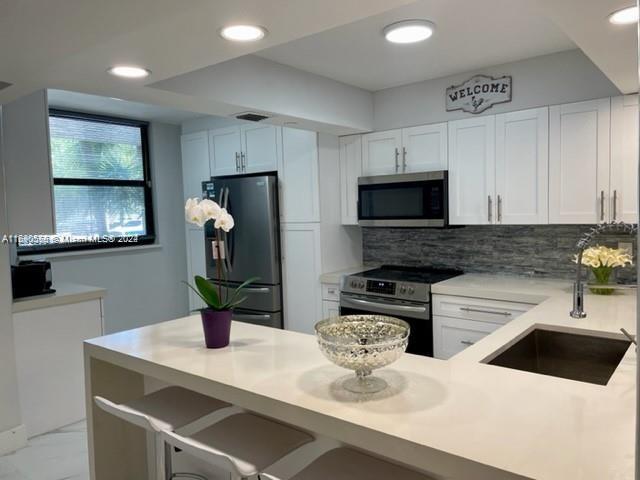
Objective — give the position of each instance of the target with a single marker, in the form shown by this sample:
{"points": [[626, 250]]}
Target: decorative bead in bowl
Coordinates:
{"points": [[363, 343]]}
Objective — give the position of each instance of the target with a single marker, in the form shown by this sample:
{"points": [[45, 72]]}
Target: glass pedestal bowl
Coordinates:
{"points": [[363, 343]]}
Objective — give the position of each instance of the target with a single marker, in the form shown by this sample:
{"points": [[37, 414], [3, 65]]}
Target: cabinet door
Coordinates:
{"points": [[299, 187], [224, 151], [195, 163], [260, 148], [350, 170], [330, 309], [472, 171], [624, 159], [424, 148], [301, 276], [381, 152], [579, 162], [522, 164], [453, 335], [196, 262]]}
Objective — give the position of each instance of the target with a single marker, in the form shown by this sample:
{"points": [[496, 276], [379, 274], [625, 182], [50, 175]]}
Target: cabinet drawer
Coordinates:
{"points": [[331, 291], [493, 311], [330, 309], [452, 335]]}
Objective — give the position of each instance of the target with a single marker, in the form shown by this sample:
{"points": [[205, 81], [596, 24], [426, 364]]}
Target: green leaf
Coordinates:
{"points": [[208, 291], [236, 292], [229, 306], [197, 293]]}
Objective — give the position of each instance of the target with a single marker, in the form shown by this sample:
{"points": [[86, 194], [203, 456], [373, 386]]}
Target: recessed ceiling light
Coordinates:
{"points": [[243, 33], [129, 71], [408, 31], [624, 16]]}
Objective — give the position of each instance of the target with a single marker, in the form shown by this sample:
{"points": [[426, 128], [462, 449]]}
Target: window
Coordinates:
{"points": [[101, 182]]}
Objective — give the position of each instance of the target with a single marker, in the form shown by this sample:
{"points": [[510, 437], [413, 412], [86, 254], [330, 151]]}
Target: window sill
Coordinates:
{"points": [[94, 253]]}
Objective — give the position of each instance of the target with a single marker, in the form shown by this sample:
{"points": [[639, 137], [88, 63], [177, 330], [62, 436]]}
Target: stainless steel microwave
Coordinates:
{"points": [[404, 200]]}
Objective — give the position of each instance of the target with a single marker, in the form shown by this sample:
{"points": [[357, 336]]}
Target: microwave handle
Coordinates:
{"points": [[397, 156]]}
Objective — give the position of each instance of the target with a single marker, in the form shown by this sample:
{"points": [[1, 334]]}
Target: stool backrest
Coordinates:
{"points": [[131, 415]]}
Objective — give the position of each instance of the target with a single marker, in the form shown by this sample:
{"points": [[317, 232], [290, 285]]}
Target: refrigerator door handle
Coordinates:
{"points": [[227, 249]]}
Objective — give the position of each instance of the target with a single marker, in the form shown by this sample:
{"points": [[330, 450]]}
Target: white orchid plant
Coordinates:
{"points": [[602, 260], [199, 212]]}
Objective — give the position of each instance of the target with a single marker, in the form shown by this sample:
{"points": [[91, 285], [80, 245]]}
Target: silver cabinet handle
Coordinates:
{"points": [[489, 208], [467, 342], [499, 209], [479, 310], [404, 159], [256, 289], [397, 155], [602, 205], [615, 204], [397, 308], [237, 162], [247, 316], [332, 291]]}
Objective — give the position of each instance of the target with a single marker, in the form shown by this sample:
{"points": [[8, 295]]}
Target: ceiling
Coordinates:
{"points": [[117, 107], [69, 44], [613, 48], [469, 35]]}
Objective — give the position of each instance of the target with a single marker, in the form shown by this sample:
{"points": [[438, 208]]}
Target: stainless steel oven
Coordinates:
{"points": [[416, 314], [404, 200]]}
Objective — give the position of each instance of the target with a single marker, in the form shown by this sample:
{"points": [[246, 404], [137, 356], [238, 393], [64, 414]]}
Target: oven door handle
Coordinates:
{"points": [[397, 308]]}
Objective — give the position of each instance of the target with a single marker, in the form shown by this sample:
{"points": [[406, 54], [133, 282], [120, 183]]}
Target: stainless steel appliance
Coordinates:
{"points": [[404, 200], [401, 292], [252, 247], [31, 277]]}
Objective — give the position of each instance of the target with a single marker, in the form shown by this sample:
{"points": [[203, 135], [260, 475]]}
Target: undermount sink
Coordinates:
{"points": [[581, 357]]}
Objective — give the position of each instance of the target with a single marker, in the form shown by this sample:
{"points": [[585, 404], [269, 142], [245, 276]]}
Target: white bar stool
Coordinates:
{"points": [[167, 409], [348, 464], [243, 444]]}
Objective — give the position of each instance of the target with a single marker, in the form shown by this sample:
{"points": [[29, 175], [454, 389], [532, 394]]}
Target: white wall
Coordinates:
{"points": [[254, 83], [547, 80], [9, 404], [143, 287], [209, 122]]}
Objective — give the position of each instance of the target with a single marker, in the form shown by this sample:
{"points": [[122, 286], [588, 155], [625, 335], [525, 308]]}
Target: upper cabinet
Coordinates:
{"points": [[424, 148], [298, 172], [579, 160], [522, 167], [350, 170], [472, 171], [249, 148], [195, 163], [416, 149], [624, 159], [381, 153]]}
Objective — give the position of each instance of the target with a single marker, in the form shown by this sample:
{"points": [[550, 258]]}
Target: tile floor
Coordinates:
{"points": [[58, 455]]}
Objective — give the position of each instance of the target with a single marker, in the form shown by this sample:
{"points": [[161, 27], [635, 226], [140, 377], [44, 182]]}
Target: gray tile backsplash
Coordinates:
{"points": [[508, 249]]}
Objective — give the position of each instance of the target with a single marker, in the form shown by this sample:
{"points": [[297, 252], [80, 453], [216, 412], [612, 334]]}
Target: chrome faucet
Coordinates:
{"points": [[583, 243]]}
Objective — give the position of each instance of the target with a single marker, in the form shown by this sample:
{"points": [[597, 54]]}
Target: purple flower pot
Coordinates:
{"points": [[217, 327]]}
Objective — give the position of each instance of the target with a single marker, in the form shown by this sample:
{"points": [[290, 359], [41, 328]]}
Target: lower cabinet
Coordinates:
{"points": [[330, 309], [330, 300], [50, 365], [459, 322]]}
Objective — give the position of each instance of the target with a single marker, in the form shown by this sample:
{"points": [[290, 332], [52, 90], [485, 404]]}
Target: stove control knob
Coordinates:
{"points": [[361, 284], [354, 284], [403, 289], [411, 290]]}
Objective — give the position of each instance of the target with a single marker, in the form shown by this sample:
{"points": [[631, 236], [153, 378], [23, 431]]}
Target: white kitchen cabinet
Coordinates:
{"points": [[225, 147], [350, 170], [424, 148], [381, 153], [301, 268], [261, 147], [579, 155], [195, 163], [459, 322], [472, 171], [624, 159], [522, 163], [298, 172], [49, 362], [330, 309], [196, 262]]}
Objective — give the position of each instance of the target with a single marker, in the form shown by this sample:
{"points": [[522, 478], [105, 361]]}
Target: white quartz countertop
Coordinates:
{"points": [[335, 277], [459, 419], [502, 287], [66, 293]]}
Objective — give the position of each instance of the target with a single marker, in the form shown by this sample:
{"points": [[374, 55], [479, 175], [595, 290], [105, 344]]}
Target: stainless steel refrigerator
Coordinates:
{"points": [[252, 247]]}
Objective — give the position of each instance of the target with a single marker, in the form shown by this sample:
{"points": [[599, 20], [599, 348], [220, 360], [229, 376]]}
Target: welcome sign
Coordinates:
{"points": [[479, 93]]}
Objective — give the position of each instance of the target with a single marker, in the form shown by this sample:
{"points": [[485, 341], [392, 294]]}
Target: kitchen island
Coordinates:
{"points": [[457, 419]]}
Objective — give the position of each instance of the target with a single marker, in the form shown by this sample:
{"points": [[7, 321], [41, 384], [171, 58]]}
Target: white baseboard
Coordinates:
{"points": [[13, 439]]}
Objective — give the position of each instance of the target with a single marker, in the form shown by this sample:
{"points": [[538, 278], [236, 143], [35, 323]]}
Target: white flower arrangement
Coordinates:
{"points": [[602, 260], [200, 212]]}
